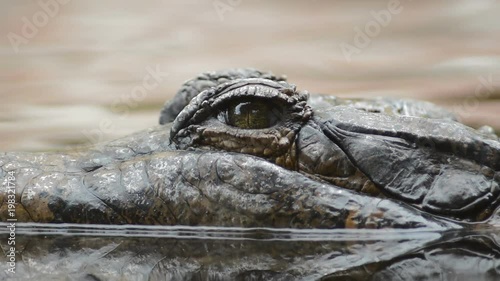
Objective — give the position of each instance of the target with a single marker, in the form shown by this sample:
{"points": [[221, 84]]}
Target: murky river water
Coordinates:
{"points": [[78, 252], [66, 65]]}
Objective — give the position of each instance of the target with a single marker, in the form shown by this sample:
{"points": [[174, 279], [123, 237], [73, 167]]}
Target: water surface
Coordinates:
{"points": [[99, 252]]}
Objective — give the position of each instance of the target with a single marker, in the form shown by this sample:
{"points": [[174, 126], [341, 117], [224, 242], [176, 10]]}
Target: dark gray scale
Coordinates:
{"points": [[443, 166], [207, 80], [413, 151]]}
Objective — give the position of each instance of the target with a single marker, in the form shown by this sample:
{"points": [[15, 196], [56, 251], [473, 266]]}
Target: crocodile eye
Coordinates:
{"points": [[248, 114], [253, 116]]}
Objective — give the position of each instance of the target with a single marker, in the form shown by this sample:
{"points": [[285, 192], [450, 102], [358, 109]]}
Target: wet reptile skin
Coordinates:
{"points": [[191, 172]]}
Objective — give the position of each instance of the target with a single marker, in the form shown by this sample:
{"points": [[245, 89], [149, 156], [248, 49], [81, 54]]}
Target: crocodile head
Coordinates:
{"points": [[245, 148], [409, 151]]}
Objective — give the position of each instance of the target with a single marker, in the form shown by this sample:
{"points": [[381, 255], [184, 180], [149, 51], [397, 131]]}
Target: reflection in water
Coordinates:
{"points": [[199, 253], [459, 256]]}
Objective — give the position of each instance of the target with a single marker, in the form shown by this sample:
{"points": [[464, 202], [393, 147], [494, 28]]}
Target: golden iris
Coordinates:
{"points": [[251, 114]]}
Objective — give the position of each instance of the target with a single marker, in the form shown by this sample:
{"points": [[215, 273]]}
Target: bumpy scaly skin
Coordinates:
{"points": [[410, 150], [440, 165], [207, 80], [146, 179], [189, 188], [52, 187]]}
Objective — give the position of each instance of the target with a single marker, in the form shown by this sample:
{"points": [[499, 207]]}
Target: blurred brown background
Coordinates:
{"points": [[71, 68]]}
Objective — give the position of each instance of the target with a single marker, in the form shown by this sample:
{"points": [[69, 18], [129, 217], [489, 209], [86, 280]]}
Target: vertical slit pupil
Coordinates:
{"points": [[249, 115]]}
